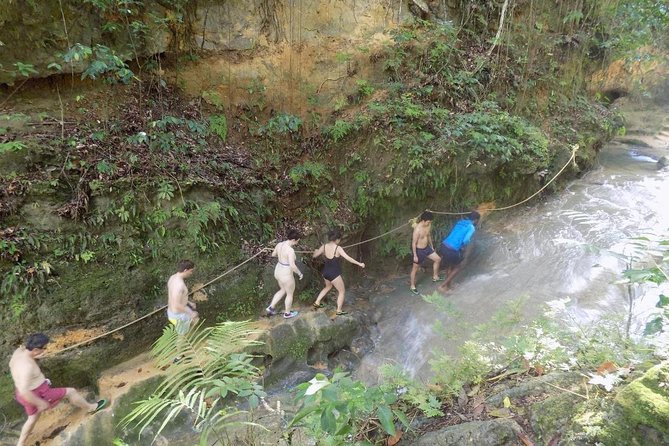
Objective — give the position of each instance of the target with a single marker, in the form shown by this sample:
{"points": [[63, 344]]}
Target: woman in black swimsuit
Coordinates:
{"points": [[332, 269]]}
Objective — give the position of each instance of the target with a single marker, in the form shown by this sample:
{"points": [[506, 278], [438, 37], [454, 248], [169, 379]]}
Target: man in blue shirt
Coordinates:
{"points": [[455, 247]]}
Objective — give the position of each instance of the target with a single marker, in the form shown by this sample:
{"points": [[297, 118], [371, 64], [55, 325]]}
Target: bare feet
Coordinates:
{"points": [[444, 289]]}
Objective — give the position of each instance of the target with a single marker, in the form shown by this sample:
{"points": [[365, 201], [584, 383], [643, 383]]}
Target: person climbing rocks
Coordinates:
{"points": [[332, 269], [283, 273], [422, 248], [456, 246], [34, 391], [180, 311]]}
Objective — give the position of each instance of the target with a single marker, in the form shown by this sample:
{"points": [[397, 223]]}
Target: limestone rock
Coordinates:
{"points": [[490, 433], [550, 416]]}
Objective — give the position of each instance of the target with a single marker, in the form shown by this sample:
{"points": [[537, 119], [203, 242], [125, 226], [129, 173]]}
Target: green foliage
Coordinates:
{"points": [[104, 63], [219, 125], [494, 136], [282, 123], [309, 171], [625, 27], [165, 192], [364, 88], [11, 146], [414, 394], [339, 130], [339, 409], [25, 70], [210, 372]]}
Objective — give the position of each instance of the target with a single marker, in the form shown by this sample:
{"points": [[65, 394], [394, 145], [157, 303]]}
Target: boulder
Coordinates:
{"points": [[501, 432], [645, 401], [310, 340]]}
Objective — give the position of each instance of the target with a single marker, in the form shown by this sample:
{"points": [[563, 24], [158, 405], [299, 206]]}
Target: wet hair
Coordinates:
{"points": [[334, 234], [426, 216], [473, 216], [36, 340], [183, 265], [293, 234]]}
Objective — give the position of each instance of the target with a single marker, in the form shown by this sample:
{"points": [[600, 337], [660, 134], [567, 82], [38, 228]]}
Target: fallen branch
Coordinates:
{"points": [[567, 390]]}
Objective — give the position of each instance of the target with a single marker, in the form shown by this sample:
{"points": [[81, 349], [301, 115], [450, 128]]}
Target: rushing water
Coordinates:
{"points": [[559, 248]]}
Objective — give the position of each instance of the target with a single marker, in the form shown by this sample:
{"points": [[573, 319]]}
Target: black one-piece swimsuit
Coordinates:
{"points": [[332, 267]]}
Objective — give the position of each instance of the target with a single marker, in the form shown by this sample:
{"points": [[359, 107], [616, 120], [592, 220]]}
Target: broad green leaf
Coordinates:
{"points": [[328, 422], [386, 419]]}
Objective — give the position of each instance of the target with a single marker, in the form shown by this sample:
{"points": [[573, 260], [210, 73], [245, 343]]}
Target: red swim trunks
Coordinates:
{"points": [[45, 392]]}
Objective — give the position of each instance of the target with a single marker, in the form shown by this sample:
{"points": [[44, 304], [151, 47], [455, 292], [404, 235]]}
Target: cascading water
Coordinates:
{"points": [[560, 248]]}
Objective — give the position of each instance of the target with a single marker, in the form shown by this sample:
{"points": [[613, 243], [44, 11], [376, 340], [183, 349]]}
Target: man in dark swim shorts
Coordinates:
{"points": [[455, 247], [421, 248]]}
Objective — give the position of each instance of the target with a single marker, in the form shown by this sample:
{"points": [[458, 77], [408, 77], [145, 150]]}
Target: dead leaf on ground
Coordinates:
{"points": [[606, 367], [474, 391], [392, 441], [525, 439], [501, 413], [478, 410]]}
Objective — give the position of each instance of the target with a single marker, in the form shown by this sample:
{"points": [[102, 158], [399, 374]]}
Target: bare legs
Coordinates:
{"points": [[450, 275], [287, 289], [27, 428], [338, 283], [78, 400], [73, 396], [435, 269]]}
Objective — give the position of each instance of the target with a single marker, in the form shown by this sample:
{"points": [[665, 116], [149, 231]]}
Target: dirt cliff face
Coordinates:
{"points": [[37, 34]]}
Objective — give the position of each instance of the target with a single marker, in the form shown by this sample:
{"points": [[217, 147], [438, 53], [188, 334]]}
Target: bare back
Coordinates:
{"points": [[284, 253], [331, 250], [25, 371], [177, 294]]}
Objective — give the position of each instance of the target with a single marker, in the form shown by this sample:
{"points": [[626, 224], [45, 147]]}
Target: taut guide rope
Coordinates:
{"points": [[79, 344]]}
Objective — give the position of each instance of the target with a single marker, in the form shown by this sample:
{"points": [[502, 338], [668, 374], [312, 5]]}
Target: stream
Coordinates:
{"points": [[561, 248]]}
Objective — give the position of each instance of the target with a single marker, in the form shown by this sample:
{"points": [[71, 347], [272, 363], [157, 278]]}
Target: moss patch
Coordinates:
{"points": [[645, 401]]}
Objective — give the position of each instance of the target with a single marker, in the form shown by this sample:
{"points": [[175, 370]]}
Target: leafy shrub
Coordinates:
{"points": [[219, 125], [339, 130], [281, 124], [339, 409]]}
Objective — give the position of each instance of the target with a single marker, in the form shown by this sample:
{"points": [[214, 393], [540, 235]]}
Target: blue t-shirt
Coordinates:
{"points": [[460, 235]]}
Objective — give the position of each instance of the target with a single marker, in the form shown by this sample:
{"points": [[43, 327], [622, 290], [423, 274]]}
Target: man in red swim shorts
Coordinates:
{"points": [[34, 391]]}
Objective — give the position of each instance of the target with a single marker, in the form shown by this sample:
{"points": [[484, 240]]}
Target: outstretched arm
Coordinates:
{"points": [[275, 252], [319, 251], [349, 258]]}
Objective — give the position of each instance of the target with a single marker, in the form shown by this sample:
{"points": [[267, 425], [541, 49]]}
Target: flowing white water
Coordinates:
{"points": [[560, 248]]}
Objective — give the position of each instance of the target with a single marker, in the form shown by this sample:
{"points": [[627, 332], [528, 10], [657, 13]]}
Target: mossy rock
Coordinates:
{"points": [[553, 414], [299, 343], [645, 401]]}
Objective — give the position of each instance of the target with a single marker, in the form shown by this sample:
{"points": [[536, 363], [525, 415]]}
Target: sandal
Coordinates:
{"points": [[317, 306], [415, 291], [101, 405], [341, 313], [438, 279]]}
